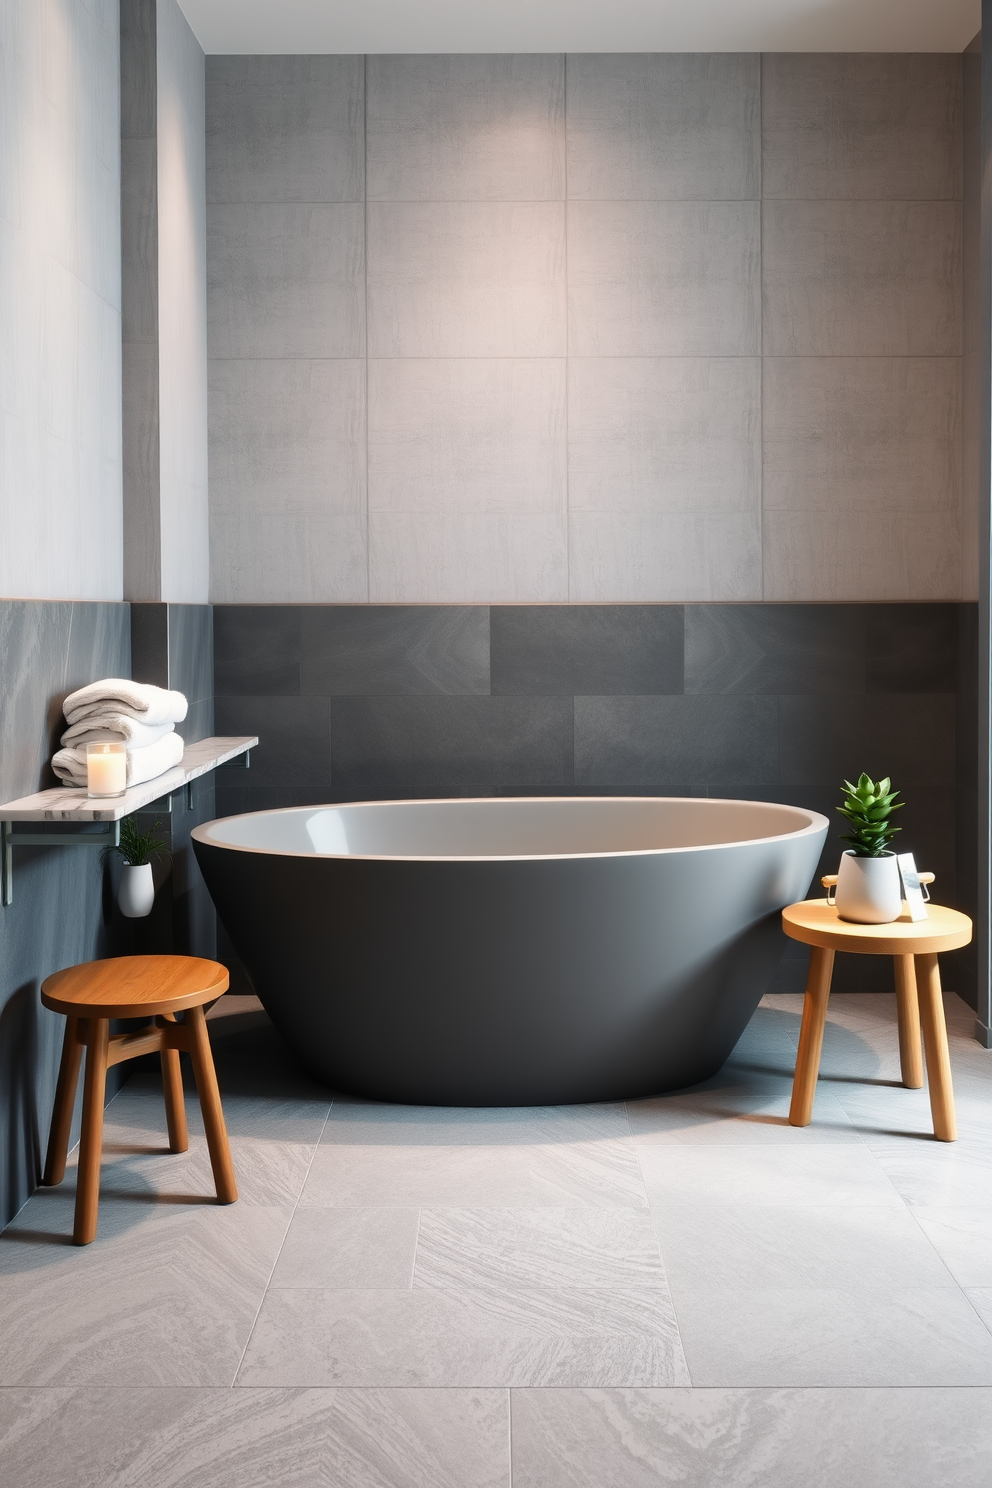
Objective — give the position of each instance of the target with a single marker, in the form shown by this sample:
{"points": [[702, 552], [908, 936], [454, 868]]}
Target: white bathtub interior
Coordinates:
{"points": [[504, 828]]}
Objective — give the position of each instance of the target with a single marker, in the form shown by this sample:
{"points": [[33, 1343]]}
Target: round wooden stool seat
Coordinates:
{"points": [[914, 946], [155, 987], [134, 986]]}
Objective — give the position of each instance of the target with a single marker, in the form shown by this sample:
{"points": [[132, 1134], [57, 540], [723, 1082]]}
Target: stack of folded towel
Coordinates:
{"points": [[144, 717]]}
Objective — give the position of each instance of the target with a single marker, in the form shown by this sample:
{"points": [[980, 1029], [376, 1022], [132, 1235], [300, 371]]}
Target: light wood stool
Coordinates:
{"points": [[133, 987], [913, 946]]}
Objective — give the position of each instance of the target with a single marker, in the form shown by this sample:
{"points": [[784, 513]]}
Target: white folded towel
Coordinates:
{"points": [[142, 764], [138, 699], [110, 725]]}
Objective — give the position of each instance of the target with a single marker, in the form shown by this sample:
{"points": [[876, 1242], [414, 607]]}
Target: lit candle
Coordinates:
{"points": [[106, 769]]}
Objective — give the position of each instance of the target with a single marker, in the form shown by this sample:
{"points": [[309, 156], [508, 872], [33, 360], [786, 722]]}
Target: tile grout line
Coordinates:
{"points": [[509, 1436], [275, 1262], [416, 1247]]}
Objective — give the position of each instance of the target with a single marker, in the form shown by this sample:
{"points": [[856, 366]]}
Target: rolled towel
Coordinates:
{"points": [[140, 700], [142, 764], [109, 725]]}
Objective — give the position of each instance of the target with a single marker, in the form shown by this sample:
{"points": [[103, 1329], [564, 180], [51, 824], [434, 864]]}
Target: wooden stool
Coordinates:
{"points": [[913, 946], [133, 987]]}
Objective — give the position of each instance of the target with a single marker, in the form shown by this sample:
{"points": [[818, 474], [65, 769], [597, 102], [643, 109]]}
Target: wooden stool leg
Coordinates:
{"points": [[91, 1139], [945, 1127], [65, 1100], [821, 966], [213, 1115], [172, 1090], [908, 1008]]}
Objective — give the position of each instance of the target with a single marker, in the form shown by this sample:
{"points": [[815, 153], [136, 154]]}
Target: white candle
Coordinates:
{"points": [[106, 769]]}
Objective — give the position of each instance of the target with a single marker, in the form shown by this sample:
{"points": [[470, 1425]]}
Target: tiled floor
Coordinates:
{"points": [[683, 1291]]}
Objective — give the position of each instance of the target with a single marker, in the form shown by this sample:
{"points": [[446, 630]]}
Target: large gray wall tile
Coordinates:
{"points": [[455, 435], [293, 735], [866, 434], [810, 555], [287, 437], [663, 278], [466, 128], [257, 650], [459, 557], [544, 650], [394, 650], [286, 280], [450, 745], [653, 126], [466, 279], [285, 129], [769, 648], [694, 746], [304, 557], [862, 278], [664, 434], [288, 519], [663, 557], [861, 125], [911, 648]]}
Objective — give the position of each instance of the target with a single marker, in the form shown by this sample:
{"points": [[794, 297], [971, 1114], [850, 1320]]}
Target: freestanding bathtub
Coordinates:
{"points": [[510, 952]]}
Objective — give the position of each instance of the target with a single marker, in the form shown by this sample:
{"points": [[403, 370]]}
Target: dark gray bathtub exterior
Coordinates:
{"points": [[515, 981]]}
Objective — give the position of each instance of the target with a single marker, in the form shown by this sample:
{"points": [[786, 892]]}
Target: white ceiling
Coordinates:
{"points": [[252, 26]]}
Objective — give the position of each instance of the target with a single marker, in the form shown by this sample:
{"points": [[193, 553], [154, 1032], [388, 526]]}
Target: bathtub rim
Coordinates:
{"points": [[816, 823]]}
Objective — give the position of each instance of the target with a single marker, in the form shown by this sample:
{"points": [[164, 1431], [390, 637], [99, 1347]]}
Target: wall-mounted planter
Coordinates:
{"points": [[136, 893]]}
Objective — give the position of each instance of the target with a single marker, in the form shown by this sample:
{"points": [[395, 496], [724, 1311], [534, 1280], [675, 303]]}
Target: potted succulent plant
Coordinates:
{"points": [[869, 890], [136, 893]]}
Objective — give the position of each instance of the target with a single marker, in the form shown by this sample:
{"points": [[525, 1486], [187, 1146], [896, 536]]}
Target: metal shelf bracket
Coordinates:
{"points": [[100, 834]]}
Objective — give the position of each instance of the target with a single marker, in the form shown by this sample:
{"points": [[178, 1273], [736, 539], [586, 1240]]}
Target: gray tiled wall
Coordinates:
{"points": [[766, 701], [63, 906], [595, 328], [172, 646]]}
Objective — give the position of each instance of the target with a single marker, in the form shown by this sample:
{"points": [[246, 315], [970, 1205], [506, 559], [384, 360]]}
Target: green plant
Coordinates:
{"points": [[868, 806], [137, 847]]}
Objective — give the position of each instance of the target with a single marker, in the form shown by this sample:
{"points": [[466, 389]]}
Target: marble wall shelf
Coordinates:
{"points": [[97, 822]]}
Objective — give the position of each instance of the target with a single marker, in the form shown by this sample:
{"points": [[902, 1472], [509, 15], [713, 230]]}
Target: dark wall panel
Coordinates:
{"points": [[765, 701], [63, 908]]}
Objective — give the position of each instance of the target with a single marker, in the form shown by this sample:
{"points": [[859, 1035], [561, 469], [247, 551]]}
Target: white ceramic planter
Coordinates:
{"points": [[136, 893], [869, 890]]}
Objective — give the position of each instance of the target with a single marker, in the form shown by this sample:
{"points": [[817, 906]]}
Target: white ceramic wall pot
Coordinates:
{"points": [[136, 893], [869, 890]]}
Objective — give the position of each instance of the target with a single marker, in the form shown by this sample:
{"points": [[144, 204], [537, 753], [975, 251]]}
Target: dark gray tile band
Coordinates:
{"points": [[394, 650], [548, 650]]}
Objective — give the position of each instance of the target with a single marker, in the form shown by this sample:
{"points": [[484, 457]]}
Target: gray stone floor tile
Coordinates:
{"points": [[483, 1338], [741, 1106], [389, 1273], [754, 1246], [587, 1247], [193, 1438], [832, 1335], [826, 1174], [962, 1238], [859, 1438], [981, 1300], [166, 1294], [367, 1247], [602, 1174], [375, 1124]]}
